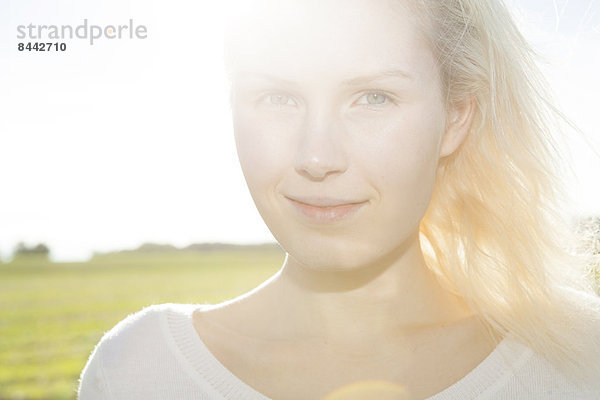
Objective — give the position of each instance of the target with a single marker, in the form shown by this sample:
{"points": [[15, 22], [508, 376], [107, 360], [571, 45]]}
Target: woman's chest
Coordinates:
{"points": [[289, 370]]}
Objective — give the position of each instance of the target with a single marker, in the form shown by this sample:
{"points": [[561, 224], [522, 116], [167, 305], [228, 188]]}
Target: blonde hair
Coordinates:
{"points": [[494, 232]]}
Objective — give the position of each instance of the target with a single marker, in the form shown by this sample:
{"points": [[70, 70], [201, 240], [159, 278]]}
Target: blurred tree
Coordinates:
{"points": [[155, 247], [40, 250]]}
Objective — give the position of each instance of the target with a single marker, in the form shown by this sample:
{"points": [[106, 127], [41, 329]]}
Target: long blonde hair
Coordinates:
{"points": [[495, 231]]}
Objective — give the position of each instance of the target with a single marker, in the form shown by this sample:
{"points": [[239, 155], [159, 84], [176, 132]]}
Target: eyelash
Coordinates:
{"points": [[269, 95], [387, 97]]}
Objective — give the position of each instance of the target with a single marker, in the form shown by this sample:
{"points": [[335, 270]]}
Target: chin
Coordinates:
{"points": [[329, 256]]}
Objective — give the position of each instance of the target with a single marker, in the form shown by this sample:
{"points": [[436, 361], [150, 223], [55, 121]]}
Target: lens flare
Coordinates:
{"points": [[369, 389]]}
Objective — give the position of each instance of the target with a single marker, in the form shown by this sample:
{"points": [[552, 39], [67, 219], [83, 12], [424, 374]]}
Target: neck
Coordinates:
{"points": [[396, 296]]}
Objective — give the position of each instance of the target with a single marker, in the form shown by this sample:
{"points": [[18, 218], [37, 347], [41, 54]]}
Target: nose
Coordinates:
{"points": [[320, 148]]}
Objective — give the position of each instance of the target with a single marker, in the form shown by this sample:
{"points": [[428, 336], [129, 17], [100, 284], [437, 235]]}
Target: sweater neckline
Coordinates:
{"points": [[507, 357]]}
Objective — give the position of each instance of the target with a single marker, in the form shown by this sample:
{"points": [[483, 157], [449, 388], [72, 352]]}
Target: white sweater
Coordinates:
{"points": [[156, 354]]}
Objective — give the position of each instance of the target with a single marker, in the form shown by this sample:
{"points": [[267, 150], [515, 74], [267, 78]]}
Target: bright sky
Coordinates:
{"points": [[108, 146]]}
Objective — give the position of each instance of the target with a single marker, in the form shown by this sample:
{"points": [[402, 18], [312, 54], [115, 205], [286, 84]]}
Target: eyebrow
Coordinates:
{"points": [[268, 77], [385, 74]]}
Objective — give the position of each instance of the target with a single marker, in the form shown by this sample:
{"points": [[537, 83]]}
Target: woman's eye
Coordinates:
{"points": [[373, 99], [279, 100]]}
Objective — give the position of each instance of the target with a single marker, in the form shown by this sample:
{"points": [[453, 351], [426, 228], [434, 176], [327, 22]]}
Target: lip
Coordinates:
{"points": [[325, 209]]}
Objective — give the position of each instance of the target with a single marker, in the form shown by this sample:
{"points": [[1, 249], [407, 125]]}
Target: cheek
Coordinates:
{"points": [[401, 152], [401, 164], [262, 148]]}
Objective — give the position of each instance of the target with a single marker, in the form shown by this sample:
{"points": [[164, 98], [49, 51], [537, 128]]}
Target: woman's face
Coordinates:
{"points": [[338, 104]]}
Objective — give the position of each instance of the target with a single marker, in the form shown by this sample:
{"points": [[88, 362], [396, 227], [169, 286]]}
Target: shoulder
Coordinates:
{"points": [[585, 322], [586, 314], [140, 329], [538, 377], [136, 341], [581, 372], [145, 320]]}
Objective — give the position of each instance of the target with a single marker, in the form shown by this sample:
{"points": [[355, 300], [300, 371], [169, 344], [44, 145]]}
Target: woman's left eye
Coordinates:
{"points": [[373, 99]]}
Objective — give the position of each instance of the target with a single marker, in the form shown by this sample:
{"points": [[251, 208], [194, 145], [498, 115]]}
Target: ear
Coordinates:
{"points": [[458, 127]]}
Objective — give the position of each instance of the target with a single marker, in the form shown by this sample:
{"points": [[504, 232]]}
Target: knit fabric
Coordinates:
{"points": [[156, 354]]}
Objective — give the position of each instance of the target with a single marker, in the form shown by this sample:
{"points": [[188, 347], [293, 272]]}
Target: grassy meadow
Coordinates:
{"points": [[53, 314]]}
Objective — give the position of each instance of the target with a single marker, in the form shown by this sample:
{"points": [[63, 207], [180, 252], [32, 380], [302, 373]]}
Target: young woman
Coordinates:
{"points": [[400, 151]]}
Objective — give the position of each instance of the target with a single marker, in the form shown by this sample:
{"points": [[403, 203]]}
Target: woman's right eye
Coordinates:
{"points": [[278, 100]]}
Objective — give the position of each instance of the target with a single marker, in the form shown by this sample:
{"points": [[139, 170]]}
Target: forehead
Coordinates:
{"points": [[330, 39]]}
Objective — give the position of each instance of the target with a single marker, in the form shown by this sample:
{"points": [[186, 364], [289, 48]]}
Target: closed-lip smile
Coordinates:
{"points": [[325, 209]]}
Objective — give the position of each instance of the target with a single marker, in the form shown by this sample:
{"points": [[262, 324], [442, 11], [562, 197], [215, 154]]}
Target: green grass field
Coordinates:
{"points": [[52, 315]]}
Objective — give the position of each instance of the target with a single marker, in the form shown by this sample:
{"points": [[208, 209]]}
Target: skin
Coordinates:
{"points": [[354, 299]]}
